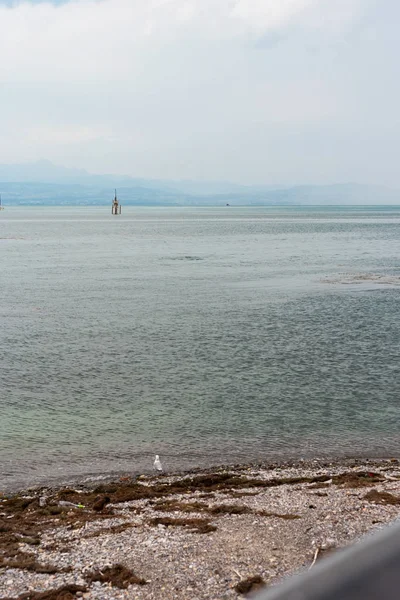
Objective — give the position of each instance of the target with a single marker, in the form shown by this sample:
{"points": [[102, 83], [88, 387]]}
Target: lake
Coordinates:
{"points": [[205, 335]]}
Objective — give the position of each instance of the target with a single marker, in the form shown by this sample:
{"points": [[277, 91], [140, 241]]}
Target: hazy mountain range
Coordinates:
{"points": [[43, 183]]}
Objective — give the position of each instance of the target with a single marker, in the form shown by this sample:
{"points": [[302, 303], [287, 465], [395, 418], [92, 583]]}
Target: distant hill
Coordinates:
{"points": [[43, 183], [44, 171]]}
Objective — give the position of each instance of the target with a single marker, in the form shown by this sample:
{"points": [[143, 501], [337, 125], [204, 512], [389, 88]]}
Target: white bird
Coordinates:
{"points": [[157, 466]]}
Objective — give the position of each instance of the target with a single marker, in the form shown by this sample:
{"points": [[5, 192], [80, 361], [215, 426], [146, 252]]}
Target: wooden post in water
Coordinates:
{"points": [[115, 207]]}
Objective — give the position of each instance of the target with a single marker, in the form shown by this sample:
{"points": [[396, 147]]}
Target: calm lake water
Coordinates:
{"points": [[206, 335]]}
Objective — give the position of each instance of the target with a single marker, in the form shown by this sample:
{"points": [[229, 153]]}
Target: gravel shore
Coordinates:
{"points": [[217, 534]]}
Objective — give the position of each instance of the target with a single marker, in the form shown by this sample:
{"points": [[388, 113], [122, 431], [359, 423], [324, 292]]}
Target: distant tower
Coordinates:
{"points": [[115, 206]]}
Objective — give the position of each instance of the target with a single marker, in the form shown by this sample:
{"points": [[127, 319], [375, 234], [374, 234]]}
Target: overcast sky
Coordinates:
{"points": [[251, 91]]}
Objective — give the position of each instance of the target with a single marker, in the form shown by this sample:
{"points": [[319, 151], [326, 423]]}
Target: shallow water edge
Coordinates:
{"points": [[91, 480]]}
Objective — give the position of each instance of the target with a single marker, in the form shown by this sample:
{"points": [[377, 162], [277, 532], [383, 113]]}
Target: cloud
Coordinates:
{"points": [[66, 135], [197, 88], [262, 15], [110, 38]]}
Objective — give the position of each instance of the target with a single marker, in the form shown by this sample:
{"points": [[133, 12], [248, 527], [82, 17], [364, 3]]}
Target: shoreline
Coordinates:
{"points": [[204, 534], [93, 478]]}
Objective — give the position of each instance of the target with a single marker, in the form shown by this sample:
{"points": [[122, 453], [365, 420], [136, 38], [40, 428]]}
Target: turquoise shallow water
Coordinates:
{"points": [[206, 335]]}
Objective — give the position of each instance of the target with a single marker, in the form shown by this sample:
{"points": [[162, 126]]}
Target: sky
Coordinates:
{"points": [[249, 91]]}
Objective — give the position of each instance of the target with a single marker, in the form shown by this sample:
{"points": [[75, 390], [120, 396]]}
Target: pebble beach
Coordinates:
{"points": [[223, 533]]}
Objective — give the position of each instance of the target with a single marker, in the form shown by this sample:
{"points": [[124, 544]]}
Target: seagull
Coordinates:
{"points": [[157, 466]]}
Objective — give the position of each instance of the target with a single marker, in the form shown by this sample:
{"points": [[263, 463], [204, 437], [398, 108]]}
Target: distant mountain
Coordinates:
{"points": [[41, 171], [43, 183], [340, 194], [44, 171], [47, 194]]}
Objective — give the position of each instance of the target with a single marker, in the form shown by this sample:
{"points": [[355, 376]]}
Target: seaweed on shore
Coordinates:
{"points": [[217, 509], [382, 497], [178, 506], [230, 509], [126, 491], [196, 525], [284, 516], [66, 592], [26, 524], [100, 502], [250, 584], [11, 555], [118, 575], [28, 562], [110, 530], [234, 494], [355, 479], [24, 518], [235, 509]]}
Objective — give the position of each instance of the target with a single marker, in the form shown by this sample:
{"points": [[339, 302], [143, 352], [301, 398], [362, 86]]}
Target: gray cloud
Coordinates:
{"points": [[253, 91]]}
